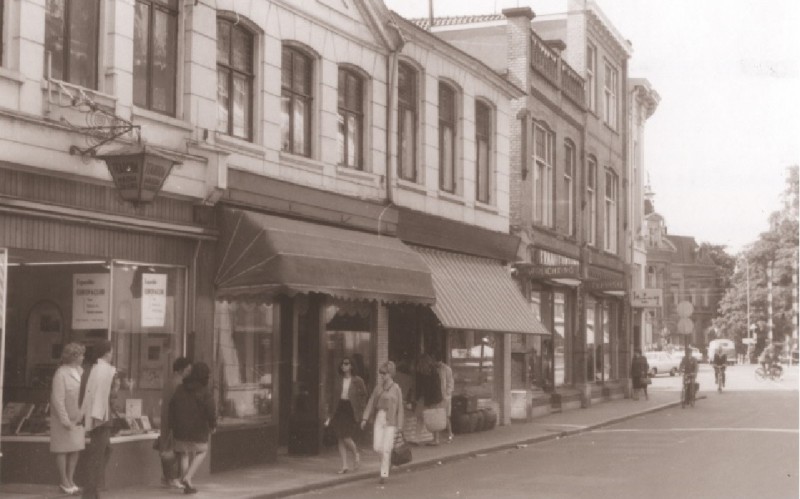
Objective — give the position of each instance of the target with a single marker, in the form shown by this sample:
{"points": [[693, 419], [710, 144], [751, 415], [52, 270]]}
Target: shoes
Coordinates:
{"points": [[450, 439], [357, 462], [69, 490], [342, 471], [188, 489], [175, 484]]}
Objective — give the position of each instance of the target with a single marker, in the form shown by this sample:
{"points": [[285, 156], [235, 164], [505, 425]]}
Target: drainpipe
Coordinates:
{"points": [[391, 91]]}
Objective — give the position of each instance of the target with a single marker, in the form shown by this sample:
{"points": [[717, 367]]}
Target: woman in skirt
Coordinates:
{"points": [[350, 398]]}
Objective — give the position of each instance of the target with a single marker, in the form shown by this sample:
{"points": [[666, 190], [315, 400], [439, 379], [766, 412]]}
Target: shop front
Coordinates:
{"points": [[294, 297]]}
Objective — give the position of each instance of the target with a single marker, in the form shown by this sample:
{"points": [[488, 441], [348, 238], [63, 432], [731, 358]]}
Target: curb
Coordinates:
{"points": [[427, 463]]}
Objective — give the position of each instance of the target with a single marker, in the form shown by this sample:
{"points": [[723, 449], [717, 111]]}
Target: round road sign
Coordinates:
{"points": [[685, 326], [685, 309]]}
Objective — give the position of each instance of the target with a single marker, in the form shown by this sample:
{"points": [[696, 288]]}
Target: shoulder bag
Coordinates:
{"points": [[401, 452]]}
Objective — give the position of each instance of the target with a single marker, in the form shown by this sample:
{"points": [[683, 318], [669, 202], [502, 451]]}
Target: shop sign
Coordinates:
{"points": [[154, 300], [600, 280], [552, 265], [647, 298], [90, 301]]}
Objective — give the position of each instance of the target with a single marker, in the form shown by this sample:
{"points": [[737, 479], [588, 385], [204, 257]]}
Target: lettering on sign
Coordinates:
{"points": [[90, 295], [553, 265], [647, 298], [154, 300]]}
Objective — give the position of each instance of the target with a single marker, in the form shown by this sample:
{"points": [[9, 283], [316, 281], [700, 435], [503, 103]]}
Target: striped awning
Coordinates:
{"points": [[265, 255], [477, 293]]}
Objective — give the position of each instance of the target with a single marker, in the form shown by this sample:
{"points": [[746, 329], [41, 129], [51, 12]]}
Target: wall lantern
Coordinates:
{"points": [[138, 172]]}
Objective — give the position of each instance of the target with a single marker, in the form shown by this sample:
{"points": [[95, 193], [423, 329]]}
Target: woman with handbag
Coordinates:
{"points": [[387, 402], [351, 396], [640, 374], [192, 417]]}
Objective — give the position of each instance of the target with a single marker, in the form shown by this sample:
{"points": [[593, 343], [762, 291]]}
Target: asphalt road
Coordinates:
{"points": [[741, 443]]}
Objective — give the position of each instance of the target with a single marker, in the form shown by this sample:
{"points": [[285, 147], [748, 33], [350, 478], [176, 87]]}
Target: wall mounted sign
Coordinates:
{"points": [[154, 300], [604, 280], [546, 264], [647, 298], [90, 295]]}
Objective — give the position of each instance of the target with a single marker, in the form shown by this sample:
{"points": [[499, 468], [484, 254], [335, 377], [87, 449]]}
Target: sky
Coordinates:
{"points": [[728, 124]]}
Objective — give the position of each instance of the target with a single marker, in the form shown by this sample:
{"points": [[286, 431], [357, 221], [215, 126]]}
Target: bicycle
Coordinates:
{"points": [[688, 391], [719, 377], [775, 373]]}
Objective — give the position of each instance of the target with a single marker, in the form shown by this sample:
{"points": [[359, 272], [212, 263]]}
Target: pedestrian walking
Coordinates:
{"points": [[192, 419], [67, 434], [428, 390], [170, 465], [96, 411], [447, 388], [387, 402], [640, 374], [350, 398]]}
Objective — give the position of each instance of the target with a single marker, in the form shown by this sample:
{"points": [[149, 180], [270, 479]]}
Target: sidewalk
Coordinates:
{"points": [[292, 475]]}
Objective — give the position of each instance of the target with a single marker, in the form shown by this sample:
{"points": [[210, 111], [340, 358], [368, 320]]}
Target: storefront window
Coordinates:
{"points": [[559, 345], [348, 333], [473, 363], [591, 345], [246, 333], [535, 351], [606, 341]]}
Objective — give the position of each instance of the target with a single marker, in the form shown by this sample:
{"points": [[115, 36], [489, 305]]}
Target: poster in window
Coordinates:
{"points": [[154, 300], [90, 293]]}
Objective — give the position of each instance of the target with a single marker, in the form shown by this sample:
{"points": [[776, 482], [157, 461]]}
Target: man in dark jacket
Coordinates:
{"points": [[170, 466]]}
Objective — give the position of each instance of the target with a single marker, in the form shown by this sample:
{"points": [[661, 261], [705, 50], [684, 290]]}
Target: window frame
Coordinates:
{"points": [[610, 95], [591, 76], [232, 71], [296, 95], [611, 222], [591, 194], [448, 123], [570, 169], [66, 39], [346, 111], [483, 134], [543, 175], [407, 105], [172, 9]]}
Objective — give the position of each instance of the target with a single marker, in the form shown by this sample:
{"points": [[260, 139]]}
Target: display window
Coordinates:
{"points": [[472, 357], [55, 299], [246, 337]]}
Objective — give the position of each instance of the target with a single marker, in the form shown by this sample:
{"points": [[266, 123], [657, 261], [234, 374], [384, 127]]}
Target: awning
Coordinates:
{"points": [[268, 255], [477, 293]]}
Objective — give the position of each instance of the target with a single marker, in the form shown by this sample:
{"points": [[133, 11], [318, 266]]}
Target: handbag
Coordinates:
{"points": [[401, 452], [435, 419], [647, 380]]}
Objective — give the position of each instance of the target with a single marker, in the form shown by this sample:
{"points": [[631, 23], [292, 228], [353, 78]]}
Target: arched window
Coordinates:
{"points": [[351, 119], [296, 101], [447, 138], [483, 157], [235, 52]]}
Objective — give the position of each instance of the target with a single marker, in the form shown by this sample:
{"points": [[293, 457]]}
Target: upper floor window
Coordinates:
{"points": [[591, 77], [2, 17], [407, 122], [235, 52], [610, 91], [155, 48], [483, 143], [543, 141], [296, 102], [612, 196], [447, 138], [351, 119], [71, 38], [568, 201], [591, 200]]}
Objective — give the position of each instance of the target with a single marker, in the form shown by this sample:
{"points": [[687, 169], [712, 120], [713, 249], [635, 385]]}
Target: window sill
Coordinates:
{"points": [[486, 207], [241, 146], [99, 98], [302, 162], [411, 186], [359, 175], [143, 113], [453, 198], [11, 75]]}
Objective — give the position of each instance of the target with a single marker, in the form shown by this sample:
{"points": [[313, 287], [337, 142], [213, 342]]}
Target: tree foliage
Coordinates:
{"points": [[777, 247]]}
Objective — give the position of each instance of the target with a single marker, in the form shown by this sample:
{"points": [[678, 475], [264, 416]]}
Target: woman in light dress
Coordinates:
{"points": [[67, 436]]}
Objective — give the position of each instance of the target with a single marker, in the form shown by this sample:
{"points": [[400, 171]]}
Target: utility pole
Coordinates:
{"points": [[769, 301], [747, 272]]}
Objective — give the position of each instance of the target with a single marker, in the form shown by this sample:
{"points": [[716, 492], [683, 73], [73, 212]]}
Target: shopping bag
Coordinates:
{"points": [[401, 452], [647, 380], [435, 419]]}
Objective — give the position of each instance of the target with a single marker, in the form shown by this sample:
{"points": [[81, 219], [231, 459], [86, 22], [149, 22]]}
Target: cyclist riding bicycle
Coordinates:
{"points": [[720, 362]]}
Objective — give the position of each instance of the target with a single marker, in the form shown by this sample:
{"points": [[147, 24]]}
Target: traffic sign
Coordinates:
{"points": [[685, 326], [685, 309]]}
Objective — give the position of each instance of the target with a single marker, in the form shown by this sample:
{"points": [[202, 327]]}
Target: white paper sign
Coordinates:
{"points": [[90, 301], [154, 300], [133, 408]]}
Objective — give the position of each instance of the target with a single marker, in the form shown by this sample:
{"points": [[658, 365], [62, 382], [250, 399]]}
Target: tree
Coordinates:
{"points": [[777, 247]]}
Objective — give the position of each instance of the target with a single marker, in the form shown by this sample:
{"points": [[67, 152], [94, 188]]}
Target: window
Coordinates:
{"points": [[407, 122], [351, 119], [234, 79], [568, 200], [71, 34], [2, 17], [296, 101], [591, 200], [543, 175], [612, 195], [447, 138], [610, 94], [155, 42], [483, 141], [591, 80]]}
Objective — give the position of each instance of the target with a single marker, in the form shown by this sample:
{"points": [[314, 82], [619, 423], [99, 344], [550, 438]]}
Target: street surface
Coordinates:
{"points": [[738, 444]]}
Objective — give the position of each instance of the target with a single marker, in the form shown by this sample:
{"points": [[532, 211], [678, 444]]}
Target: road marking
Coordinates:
{"points": [[651, 430]]}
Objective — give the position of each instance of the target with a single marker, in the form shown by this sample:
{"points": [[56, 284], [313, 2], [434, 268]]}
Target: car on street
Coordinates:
{"points": [[662, 363]]}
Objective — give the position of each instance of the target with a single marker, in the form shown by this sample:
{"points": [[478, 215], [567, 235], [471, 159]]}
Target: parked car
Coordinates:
{"points": [[662, 363]]}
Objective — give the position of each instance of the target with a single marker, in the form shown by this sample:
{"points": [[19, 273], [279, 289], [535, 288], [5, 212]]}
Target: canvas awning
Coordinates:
{"points": [[263, 255], [477, 293]]}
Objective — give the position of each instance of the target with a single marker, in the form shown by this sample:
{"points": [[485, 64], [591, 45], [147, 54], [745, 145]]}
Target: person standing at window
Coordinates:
{"points": [[67, 437], [387, 402], [96, 412], [170, 466], [351, 396]]}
